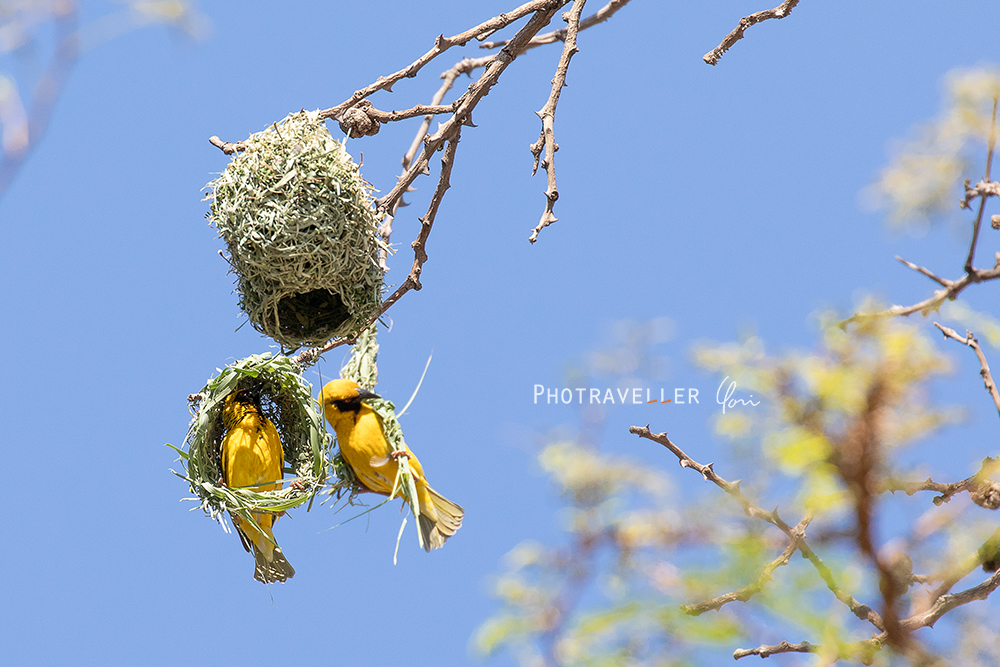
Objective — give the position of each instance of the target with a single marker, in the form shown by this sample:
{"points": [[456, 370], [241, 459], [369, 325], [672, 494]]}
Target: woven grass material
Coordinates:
{"points": [[300, 227], [287, 401], [362, 369]]}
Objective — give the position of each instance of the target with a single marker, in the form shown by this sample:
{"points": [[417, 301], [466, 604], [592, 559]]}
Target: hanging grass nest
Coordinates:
{"points": [[302, 234], [287, 401]]}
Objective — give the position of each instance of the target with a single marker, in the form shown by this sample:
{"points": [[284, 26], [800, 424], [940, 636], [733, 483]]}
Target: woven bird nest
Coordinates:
{"points": [[287, 401], [302, 234]]}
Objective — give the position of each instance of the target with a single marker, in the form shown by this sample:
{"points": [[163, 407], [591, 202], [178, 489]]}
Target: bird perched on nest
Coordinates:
{"points": [[252, 455], [365, 449]]}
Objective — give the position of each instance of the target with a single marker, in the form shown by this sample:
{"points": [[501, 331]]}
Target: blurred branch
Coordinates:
{"points": [[784, 647], [25, 118], [985, 555], [982, 190], [745, 593], [952, 288], [946, 603], [919, 269], [859, 454], [971, 341], [46, 94], [779, 12], [862, 611]]}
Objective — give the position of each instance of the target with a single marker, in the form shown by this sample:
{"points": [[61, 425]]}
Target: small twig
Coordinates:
{"points": [[992, 141], [984, 372], [784, 647], [227, 147], [546, 139], [600, 16], [745, 593], [779, 12], [464, 66], [963, 568], [932, 304], [976, 224], [919, 269], [946, 603], [536, 8], [442, 44]]}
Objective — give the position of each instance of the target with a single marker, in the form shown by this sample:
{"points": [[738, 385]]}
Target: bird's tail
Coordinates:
{"points": [[270, 565], [438, 525], [278, 569]]}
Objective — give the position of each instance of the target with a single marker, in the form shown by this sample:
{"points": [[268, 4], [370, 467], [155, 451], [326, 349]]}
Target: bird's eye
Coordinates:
{"points": [[348, 405]]}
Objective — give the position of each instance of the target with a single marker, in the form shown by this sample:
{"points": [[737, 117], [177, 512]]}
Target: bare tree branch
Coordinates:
{"points": [[779, 12], [442, 44], [745, 593], [983, 196], [784, 647], [546, 138], [932, 304], [919, 269], [971, 341], [862, 611], [446, 137], [600, 16], [946, 603], [952, 288]]}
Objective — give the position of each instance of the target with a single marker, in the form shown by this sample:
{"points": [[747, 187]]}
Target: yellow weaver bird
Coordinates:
{"points": [[252, 454], [365, 448]]}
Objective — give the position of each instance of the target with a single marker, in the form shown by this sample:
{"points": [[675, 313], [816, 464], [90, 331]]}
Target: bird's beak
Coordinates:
{"points": [[364, 393]]}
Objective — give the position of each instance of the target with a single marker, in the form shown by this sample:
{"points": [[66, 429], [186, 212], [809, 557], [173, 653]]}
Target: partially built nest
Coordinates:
{"points": [[287, 401], [302, 233]]}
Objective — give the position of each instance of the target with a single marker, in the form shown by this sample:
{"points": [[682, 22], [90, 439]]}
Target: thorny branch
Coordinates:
{"points": [[779, 12], [448, 133], [946, 603], [357, 116], [983, 491], [971, 341], [600, 16], [863, 612], [745, 593], [952, 288], [546, 139], [941, 603]]}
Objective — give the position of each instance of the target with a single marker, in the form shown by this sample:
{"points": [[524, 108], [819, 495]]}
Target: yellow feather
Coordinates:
{"points": [[368, 453], [252, 457]]}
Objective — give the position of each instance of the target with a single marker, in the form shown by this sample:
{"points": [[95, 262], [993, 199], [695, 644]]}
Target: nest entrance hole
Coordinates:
{"points": [[312, 315]]}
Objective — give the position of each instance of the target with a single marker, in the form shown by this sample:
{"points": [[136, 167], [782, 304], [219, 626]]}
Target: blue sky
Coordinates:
{"points": [[723, 198]]}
